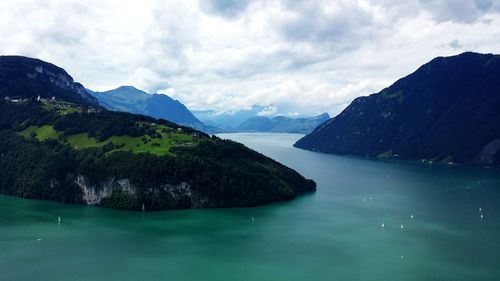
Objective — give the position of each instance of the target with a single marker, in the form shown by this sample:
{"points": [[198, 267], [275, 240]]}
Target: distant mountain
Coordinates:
{"points": [[448, 110], [22, 77], [228, 120], [130, 99], [281, 124]]}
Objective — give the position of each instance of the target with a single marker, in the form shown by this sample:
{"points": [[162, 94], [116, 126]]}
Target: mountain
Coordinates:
{"points": [[130, 99], [281, 124], [68, 150], [447, 110], [22, 77]]}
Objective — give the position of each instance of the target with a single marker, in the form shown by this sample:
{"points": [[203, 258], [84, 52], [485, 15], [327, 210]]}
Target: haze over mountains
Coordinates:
{"points": [[448, 110]]}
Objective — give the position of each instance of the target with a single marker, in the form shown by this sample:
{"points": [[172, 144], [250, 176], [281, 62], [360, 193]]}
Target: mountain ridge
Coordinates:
{"points": [[133, 100], [23, 77], [444, 111]]}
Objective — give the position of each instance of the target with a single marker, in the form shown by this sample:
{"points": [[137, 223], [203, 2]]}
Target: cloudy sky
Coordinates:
{"points": [[295, 57]]}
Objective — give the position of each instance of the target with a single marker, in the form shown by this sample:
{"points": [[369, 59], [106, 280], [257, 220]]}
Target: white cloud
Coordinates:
{"points": [[268, 111], [294, 57]]}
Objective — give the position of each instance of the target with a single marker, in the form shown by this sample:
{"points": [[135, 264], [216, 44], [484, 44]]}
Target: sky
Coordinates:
{"points": [[290, 57]]}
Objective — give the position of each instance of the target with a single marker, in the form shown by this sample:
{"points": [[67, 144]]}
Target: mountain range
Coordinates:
{"points": [[281, 124], [249, 120], [448, 110]]}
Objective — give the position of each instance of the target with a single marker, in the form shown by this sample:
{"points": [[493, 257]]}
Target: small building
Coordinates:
{"points": [[38, 98], [179, 129], [7, 98], [53, 99]]}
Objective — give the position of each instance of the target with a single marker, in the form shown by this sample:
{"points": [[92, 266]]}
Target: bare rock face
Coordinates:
{"points": [[180, 195], [94, 194]]}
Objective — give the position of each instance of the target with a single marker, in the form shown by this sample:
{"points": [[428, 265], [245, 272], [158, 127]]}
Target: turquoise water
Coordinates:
{"points": [[333, 234]]}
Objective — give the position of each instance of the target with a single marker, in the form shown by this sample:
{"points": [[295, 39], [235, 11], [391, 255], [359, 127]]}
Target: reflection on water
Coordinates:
{"points": [[333, 234]]}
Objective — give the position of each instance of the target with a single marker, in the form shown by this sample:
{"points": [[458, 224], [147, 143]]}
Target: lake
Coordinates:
{"points": [[431, 217]]}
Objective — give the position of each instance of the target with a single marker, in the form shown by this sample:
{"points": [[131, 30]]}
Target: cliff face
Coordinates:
{"points": [[110, 192], [95, 194], [22, 77], [447, 110]]}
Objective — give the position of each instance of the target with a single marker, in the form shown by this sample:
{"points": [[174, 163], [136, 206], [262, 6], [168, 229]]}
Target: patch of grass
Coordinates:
{"points": [[144, 144], [40, 133], [160, 144], [133, 144], [80, 141]]}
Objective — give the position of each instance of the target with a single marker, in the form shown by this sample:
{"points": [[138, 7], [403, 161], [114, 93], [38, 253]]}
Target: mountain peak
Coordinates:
{"points": [[128, 89]]}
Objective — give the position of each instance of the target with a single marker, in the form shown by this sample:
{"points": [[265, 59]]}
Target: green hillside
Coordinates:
{"points": [[132, 162]]}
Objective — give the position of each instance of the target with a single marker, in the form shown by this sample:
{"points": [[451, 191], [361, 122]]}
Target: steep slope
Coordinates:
{"points": [[162, 106], [281, 124], [448, 110], [75, 153], [130, 99], [22, 77]]}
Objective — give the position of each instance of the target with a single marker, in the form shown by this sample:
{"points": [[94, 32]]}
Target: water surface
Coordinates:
{"points": [[333, 234]]}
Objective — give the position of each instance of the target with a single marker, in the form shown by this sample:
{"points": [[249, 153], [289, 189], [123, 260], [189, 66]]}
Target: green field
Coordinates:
{"points": [[41, 133], [143, 144]]}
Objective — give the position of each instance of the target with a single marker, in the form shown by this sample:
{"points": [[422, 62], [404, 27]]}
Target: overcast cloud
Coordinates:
{"points": [[292, 57]]}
